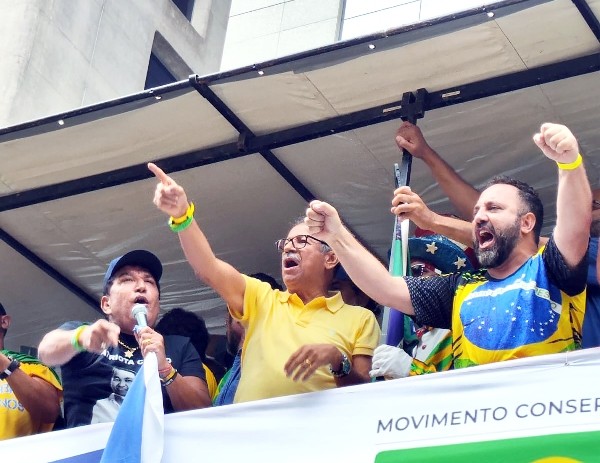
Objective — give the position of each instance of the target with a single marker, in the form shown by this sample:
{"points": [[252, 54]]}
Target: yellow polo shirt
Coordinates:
{"points": [[278, 323]]}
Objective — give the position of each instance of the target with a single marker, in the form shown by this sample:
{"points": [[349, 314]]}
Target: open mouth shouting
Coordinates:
{"points": [[140, 300], [492, 246], [485, 237], [290, 261]]}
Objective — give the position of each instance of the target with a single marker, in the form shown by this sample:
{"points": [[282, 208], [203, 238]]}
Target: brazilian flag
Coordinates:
{"points": [[581, 447]]}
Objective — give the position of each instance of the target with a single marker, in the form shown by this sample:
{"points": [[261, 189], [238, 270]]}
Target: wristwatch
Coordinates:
{"points": [[12, 366], [345, 368]]}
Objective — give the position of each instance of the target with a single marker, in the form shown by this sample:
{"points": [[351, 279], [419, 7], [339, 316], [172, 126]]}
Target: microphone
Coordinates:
{"points": [[140, 313]]}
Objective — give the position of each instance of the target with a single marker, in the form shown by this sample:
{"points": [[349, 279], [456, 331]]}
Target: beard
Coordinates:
{"points": [[505, 241]]}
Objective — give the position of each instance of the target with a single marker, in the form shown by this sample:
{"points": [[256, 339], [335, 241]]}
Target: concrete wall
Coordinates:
{"points": [[60, 55], [260, 30]]}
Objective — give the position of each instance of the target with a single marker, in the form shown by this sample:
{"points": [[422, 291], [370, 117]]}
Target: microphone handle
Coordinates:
{"points": [[140, 319], [139, 312]]}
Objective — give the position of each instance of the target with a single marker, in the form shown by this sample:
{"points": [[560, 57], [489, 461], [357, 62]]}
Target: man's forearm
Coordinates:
{"points": [[369, 274], [188, 393], [361, 364], [453, 228], [56, 347], [461, 194], [219, 275], [40, 398], [573, 214]]}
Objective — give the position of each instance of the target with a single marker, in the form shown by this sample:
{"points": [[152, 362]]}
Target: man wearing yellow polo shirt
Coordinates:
{"points": [[299, 340]]}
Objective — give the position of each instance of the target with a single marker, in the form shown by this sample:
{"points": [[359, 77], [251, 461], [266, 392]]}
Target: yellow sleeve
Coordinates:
{"points": [[211, 382], [41, 371], [369, 335]]}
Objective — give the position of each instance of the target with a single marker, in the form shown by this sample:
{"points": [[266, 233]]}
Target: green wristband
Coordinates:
{"points": [[176, 228], [75, 339]]}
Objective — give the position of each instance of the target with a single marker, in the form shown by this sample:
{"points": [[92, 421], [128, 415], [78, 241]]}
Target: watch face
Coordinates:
{"points": [[344, 369], [346, 365]]}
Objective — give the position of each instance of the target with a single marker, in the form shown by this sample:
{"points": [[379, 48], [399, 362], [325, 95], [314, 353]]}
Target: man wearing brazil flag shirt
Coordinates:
{"points": [[525, 301]]}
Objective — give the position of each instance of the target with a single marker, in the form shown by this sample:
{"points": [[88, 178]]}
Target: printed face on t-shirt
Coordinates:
{"points": [[121, 380]]}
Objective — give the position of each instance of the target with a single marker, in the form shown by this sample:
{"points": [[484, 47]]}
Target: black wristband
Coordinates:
{"points": [[170, 379], [12, 366]]}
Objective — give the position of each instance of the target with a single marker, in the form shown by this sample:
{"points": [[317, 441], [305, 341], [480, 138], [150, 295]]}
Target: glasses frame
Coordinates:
{"points": [[281, 243]]}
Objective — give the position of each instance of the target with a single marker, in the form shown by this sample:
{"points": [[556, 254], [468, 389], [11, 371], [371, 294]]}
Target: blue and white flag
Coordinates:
{"points": [[138, 433]]}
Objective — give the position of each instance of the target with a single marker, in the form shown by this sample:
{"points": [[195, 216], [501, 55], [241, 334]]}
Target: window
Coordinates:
{"points": [[186, 7], [165, 66], [157, 74]]}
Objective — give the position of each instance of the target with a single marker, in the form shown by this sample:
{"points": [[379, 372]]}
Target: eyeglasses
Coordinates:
{"points": [[298, 242], [420, 269], [595, 204]]}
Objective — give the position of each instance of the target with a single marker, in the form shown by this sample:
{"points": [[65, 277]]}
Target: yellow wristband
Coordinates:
{"points": [[169, 377], [179, 220], [571, 165]]}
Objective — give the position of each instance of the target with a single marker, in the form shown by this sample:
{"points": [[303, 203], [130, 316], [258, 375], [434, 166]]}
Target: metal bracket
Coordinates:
{"points": [[242, 143], [413, 108]]}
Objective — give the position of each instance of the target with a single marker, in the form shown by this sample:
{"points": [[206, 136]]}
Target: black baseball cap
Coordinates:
{"points": [[139, 258]]}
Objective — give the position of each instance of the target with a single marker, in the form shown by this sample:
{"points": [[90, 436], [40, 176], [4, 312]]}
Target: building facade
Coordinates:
{"points": [[61, 55]]}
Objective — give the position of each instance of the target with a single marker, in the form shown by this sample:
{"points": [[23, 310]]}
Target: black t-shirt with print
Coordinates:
{"points": [[87, 376]]}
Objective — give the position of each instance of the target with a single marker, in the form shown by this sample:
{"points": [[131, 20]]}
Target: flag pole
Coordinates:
{"points": [[392, 332]]}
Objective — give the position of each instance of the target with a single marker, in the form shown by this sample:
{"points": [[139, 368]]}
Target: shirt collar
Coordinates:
{"points": [[333, 303]]}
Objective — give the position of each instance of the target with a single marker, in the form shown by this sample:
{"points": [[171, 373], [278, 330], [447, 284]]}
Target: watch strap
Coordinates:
{"points": [[12, 366], [345, 368]]}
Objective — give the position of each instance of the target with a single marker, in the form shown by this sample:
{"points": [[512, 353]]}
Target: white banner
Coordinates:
{"points": [[457, 415]]}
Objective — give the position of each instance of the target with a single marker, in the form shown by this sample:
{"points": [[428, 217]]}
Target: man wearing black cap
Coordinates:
{"points": [[88, 353], [30, 392]]}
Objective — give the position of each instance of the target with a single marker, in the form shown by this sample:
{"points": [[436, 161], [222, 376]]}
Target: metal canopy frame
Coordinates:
{"points": [[248, 143]]}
